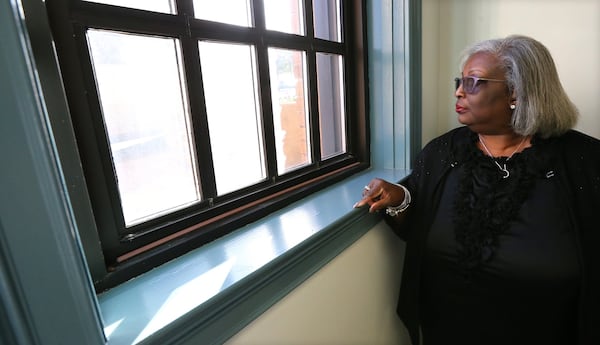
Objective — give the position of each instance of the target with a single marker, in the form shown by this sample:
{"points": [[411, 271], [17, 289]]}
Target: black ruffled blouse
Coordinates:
{"points": [[494, 271]]}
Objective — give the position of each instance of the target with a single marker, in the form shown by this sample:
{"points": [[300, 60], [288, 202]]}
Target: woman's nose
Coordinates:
{"points": [[459, 92]]}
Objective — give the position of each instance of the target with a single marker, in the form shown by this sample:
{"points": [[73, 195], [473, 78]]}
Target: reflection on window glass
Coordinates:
{"points": [[285, 16], [290, 111], [230, 88], [140, 87], [326, 15], [332, 119], [235, 12], [164, 6]]}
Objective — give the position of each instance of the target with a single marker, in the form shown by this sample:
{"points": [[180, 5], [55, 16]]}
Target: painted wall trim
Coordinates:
{"points": [[395, 44], [414, 77], [45, 274]]}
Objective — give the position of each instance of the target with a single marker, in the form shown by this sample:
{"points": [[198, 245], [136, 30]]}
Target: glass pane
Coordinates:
{"points": [[164, 6], [326, 15], [230, 88], [285, 16], [142, 95], [290, 110], [235, 12], [332, 119]]}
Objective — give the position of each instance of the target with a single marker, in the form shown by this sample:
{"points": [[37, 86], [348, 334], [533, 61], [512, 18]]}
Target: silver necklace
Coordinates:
{"points": [[503, 169]]}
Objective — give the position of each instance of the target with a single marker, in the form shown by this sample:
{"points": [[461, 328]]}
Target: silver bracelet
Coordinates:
{"points": [[395, 210]]}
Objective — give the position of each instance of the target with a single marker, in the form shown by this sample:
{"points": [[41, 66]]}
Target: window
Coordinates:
{"points": [[195, 117]]}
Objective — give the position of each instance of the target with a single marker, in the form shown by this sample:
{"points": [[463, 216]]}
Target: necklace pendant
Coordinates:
{"points": [[505, 171]]}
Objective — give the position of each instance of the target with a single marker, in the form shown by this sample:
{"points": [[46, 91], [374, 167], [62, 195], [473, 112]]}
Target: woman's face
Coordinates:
{"points": [[487, 110]]}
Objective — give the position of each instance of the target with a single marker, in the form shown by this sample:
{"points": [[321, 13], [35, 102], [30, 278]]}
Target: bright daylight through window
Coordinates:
{"points": [[194, 117]]}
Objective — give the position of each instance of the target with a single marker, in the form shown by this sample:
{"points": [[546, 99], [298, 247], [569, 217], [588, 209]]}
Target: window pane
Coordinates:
{"points": [[326, 15], [164, 6], [332, 119], [139, 81], [285, 16], [235, 12], [290, 115], [230, 88]]}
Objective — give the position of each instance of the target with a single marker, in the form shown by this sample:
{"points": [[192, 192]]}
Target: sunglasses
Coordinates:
{"points": [[471, 84]]}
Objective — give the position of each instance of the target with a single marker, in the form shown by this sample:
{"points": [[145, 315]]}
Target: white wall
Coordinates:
{"points": [[570, 30], [431, 127], [352, 300]]}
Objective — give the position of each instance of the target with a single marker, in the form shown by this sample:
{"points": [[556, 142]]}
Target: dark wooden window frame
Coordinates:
{"points": [[129, 252]]}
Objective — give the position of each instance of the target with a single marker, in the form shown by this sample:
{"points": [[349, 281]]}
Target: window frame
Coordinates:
{"points": [[126, 256]]}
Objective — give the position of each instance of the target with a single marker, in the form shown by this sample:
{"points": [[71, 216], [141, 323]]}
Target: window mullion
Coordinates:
{"points": [[197, 103], [185, 8], [266, 105], [308, 19], [266, 109], [258, 13], [313, 98]]}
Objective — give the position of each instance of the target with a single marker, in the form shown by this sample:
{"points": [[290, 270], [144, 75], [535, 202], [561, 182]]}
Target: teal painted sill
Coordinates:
{"points": [[208, 295]]}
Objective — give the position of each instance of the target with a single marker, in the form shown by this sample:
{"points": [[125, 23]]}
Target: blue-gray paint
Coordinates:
{"points": [[389, 91], [47, 296]]}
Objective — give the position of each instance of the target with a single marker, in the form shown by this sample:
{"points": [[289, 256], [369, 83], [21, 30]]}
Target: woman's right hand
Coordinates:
{"points": [[379, 194]]}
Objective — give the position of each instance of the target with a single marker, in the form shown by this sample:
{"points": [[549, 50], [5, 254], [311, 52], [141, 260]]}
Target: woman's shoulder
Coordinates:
{"points": [[576, 142], [444, 150], [580, 151], [576, 137], [453, 137]]}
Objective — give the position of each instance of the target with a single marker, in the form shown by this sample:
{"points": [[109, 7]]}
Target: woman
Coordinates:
{"points": [[498, 215]]}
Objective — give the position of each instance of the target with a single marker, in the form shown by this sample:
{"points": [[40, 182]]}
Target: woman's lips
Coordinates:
{"points": [[460, 109]]}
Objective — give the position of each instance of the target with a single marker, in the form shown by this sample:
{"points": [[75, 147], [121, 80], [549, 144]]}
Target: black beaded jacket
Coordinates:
{"points": [[573, 163]]}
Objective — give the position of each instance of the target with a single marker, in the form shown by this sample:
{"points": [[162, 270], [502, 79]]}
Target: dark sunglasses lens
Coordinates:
{"points": [[468, 84]]}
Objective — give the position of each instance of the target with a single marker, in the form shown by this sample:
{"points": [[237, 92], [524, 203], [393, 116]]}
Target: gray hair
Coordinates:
{"points": [[542, 107]]}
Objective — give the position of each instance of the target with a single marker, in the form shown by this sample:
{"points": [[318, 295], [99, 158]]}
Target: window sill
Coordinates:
{"points": [[211, 293]]}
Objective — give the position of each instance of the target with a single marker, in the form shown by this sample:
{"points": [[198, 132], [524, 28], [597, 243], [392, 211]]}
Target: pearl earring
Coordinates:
{"points": [[512, 106]]}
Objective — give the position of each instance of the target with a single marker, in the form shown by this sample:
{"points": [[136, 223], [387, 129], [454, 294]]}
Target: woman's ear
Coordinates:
{"points": [[513, 97]]}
